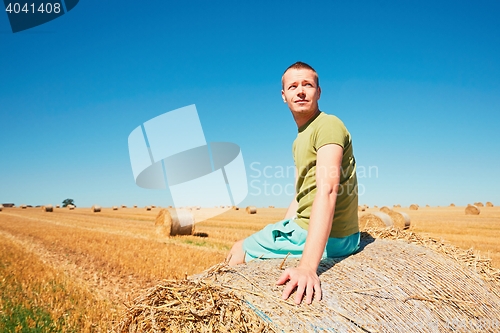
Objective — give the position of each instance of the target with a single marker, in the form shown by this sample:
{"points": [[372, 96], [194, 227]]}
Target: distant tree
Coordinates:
{"points": [[67, 202]]}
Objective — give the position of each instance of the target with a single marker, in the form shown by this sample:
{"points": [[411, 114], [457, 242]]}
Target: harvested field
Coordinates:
{"points": [[117, 255]]}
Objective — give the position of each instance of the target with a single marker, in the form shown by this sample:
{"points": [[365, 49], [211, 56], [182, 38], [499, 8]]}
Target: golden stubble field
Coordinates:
{"points": [[75, 270]]}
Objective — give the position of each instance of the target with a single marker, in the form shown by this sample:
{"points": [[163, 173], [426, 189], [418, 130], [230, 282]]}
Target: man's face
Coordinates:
{"points": [[301, 92]]}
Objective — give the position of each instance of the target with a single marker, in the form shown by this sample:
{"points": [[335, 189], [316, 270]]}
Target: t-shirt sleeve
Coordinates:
{"points": [[331, 130]]}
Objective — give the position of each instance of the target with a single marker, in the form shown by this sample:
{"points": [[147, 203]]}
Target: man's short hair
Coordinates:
{"points": [[300, 65]]}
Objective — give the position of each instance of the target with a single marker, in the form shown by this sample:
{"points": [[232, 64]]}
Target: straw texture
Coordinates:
{"points": [[401, 220], [385, 209], [375, 220], [251, 210], [472, 210], [173, 222]]}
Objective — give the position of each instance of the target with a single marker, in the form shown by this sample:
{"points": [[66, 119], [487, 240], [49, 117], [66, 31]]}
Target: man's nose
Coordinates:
{"points": [[300, 91]]}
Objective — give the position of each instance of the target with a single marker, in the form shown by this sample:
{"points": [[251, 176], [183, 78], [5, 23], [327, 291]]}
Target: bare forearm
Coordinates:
{"points": [[320, 225]]}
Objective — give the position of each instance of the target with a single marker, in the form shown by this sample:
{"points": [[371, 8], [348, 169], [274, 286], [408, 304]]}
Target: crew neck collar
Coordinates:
{"points": [[303, 127]]}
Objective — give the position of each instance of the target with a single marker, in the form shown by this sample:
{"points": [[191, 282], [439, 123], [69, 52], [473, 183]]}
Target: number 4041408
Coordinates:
{"points": [[47, 8]]}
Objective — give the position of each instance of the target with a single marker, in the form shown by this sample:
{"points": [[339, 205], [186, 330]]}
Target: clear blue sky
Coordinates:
{"points": [[417, 83]]}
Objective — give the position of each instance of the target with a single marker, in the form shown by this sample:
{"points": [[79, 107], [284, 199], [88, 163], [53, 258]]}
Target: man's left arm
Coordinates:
{"points": [[304, 277]]}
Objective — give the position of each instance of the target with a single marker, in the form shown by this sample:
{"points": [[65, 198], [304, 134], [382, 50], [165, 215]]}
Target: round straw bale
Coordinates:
{"points": [[148, 207], [135, 206], [375, 206], [96, 208], [413, 207], [472, 210], [375, 220], [478, 204], [124, 206], [251, 210], [57, 206], [361, 208], [385, 209], [173, 222], [115, 207], [1, 207], [489, 204], [23, 206], [48, 208], [71, 207], [401, 220], [452, 205], [271, 206], [402, 287], [236, 208]]}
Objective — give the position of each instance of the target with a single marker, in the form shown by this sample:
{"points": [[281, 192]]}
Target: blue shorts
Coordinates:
{"points": [[278, 239]]}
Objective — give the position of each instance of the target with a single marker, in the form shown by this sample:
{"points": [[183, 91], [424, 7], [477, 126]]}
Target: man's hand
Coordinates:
{"points": [[305, 280]]}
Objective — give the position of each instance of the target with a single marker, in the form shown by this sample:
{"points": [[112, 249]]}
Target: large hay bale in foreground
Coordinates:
{"points": [[375, 220], [401, 220], [251, 210], [48, 208], [472, 210], [385, 209], [413, 207], [96, 208], [173, 222], [489, 204], [388, 286]]}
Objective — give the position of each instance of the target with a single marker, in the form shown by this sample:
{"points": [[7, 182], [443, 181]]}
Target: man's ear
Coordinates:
{"points": [[319, 92], [283, 96]]}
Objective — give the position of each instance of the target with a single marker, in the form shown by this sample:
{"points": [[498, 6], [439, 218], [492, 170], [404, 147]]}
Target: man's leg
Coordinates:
{"points": [[236, 255]]}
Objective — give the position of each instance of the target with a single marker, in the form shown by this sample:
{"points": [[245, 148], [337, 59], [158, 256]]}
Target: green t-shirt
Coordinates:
{"points": [[321, 130]]}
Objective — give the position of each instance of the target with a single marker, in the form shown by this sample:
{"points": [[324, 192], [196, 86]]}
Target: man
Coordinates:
{"points": [[322, 219]]}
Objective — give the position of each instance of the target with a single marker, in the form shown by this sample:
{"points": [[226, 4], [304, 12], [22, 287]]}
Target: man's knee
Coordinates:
{"points": [[236, 255]]}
